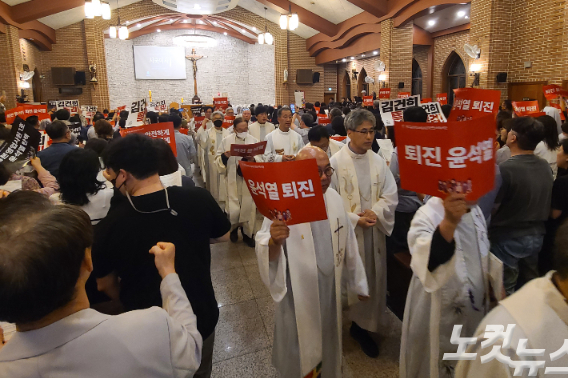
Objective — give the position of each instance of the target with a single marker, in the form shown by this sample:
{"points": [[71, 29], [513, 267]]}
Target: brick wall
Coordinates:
{"points": [[420, 53], [443, 47]]}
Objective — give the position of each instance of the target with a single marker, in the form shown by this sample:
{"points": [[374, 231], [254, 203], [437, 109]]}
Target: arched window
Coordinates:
{"points": [[456, 75], [416, 78]]}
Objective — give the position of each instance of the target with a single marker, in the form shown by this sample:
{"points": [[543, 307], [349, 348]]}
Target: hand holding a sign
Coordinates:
{"points": [[279, 232], [455, 207]]}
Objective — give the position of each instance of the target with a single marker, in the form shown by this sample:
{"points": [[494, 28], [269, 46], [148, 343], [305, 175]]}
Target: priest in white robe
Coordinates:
{"points": [[211, 140], [261, 128], [455, 280], [302, 267], [199, 137], [283, 143], [319, 137], [240, 206], [369, 194]]}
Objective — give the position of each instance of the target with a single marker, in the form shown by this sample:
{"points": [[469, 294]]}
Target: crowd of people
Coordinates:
{"points": [[105, 250]]}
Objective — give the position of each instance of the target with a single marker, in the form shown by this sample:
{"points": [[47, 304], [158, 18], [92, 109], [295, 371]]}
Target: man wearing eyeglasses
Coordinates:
{"points": [[302, 265], [369, 194]]}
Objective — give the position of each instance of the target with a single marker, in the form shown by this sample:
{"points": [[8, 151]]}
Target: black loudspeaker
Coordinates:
{"points": [[400, 84], [502, 77], [80, 78], [71, 91], [316, 77]]}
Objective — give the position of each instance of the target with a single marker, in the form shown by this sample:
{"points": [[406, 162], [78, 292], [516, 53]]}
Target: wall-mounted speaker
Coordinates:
{"points": [[502, 77], [316, 77], [400, 84]]}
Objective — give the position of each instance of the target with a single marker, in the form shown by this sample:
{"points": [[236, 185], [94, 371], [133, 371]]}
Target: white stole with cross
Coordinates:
{"points": [[304, 275]]}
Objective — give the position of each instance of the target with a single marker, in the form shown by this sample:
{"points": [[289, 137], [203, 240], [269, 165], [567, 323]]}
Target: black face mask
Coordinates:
{"points": [[218, 123]]}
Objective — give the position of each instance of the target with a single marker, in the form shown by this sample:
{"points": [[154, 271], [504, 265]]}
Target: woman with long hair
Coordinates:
{"points": [[79, 185], [548, 148]]}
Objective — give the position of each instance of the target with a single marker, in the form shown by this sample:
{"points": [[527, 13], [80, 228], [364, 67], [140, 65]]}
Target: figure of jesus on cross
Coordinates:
{"points": [[194, 58]]}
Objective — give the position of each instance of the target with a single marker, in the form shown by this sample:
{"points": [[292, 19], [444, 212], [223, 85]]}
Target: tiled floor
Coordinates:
{"points": [[243, 340]]}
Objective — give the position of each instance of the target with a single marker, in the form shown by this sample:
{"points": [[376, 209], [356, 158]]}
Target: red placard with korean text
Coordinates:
{"points": [[525, 108], [442, 158], [338, 138], [323, 119], [228, 121], [199, 122], [403, 94], [289, 191], [384, 93], [553, 91], [470, 103], [164, 130], [442, 98], [220, 103], [24, 111], [244, 150], [367, 100], [425, 100]]}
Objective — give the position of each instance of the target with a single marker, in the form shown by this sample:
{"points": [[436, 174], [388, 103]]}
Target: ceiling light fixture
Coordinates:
{"points": [[265, 37], [461, 13]]}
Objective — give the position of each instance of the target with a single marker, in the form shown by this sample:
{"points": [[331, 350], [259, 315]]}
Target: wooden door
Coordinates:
{"points": [[327, 97], [528, 90]]}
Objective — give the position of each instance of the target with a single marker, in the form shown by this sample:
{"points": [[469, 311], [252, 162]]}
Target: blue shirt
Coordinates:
{"points": [[51, 157]]}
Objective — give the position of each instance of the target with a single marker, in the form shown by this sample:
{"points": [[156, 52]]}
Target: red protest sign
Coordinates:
{"points": [[403, 94], [164, 130], [470, 103], [442, 98], [339, 138], [228, 121], [452, 157], [244, 150], [384, 93], [323, 119], [198, 122], [552, 91], [220, 103], [525, 108], [426, 100], [289, 191], [367, 100]]}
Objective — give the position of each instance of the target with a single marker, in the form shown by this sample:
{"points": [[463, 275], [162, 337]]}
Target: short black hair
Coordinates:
{"points": [[56, 130], [97, 145], [446, 110], [167, 161], [176, 120], [414, 114], [152, 116], [135, 153], [529, 132], [39, 272], [260, 109], [33, 120], [78, 176], [123, 114], [62, 115], [308, 119], [316, 133]]}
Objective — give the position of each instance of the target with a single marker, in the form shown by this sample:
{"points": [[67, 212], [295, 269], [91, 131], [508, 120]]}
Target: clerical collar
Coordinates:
{"points": [[354, 154]]}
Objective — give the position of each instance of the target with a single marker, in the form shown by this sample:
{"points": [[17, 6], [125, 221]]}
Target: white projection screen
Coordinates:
{"points": [[159, 63]]}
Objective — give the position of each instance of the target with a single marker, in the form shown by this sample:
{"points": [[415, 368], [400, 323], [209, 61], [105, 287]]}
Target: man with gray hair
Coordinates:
{"points": [[210, 142], [369, 194]]}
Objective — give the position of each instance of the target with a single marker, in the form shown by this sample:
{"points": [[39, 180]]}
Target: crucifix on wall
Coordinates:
{"points": [[194, 58]]}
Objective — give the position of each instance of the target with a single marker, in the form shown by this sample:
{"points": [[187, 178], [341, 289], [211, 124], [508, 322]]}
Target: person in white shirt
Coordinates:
{"points": [[283, 144], [56, 329], [79, 184]]}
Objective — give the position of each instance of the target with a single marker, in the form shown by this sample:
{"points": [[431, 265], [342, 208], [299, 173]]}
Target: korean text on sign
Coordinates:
{"points": [[290, 192], [442, 158]]}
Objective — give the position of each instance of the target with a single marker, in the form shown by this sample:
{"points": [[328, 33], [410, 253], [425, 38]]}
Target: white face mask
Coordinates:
{"points": [[242, 135]]}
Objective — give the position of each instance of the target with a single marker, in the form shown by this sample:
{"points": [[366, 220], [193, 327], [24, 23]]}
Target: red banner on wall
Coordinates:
{"points": [[470, 103], [452, 157], [164, 130], [220, 103], [525, 108], [442, 98], [384, 93], [228, 121], [403, 94], [367, 100], [244, 150], [289, 191]]}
